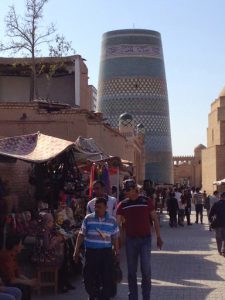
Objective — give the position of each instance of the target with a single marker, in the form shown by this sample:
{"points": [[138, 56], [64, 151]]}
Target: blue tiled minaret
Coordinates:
{"points": [[132, 79]]}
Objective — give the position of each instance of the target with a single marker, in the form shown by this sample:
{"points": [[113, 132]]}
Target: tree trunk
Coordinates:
{"points": [[33, 84]]}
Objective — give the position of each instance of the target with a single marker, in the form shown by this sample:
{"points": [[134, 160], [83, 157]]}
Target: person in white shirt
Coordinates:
{"points": [[178, 195], [99, 191], [181, 206], [214, 198]]}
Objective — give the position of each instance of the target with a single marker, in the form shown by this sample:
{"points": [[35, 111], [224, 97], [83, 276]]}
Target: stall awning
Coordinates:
{"points": [[35, 147], [40, 148], [88, 149]]}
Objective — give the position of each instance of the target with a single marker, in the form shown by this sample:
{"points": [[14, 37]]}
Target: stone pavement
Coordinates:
{"points": [[188, 268]]}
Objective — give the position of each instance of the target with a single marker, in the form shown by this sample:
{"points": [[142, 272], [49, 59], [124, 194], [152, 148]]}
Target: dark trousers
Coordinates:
{"points": [[199, 211], [181, 217], [188, 217], [220, 239], [173, 218], [139, 247], [98, 270], [188, 214]]}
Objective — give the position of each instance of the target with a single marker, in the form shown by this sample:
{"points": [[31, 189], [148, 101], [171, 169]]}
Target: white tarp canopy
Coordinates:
{"points": [[219, 182]]}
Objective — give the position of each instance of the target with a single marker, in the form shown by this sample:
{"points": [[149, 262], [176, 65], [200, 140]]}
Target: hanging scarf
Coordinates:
{"points": [[92, 178]]}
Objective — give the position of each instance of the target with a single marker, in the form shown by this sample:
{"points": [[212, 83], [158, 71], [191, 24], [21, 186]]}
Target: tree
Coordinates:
{"points": [[26, 34]]}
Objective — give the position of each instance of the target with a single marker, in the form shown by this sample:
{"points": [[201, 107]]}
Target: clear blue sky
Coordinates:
{"points": [[193, 35]]}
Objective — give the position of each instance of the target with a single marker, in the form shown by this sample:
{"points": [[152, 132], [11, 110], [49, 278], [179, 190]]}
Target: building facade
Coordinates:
{"points": [[213, 157], [132, 79], [68, 83], [67, 123], [188, 169], [92, 98]]}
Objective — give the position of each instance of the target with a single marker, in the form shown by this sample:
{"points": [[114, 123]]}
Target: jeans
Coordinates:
{"points": [[10, 293], [135, 247], [199, 211], [173, 218]]}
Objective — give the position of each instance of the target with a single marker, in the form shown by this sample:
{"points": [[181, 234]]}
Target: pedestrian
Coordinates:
{"points": [[99, 191], [172, 207], [136, 212], [217, 219], [181, 211], [214, 198], [99, 232], [198, 200], [187, 199], [207, 205], [114, 192]]}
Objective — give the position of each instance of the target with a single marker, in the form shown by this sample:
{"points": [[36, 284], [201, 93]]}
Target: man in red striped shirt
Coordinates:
{"points": [[138, 213]]}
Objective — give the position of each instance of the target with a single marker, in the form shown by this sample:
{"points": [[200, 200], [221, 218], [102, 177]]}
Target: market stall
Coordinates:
{"points": [[100, 165]]}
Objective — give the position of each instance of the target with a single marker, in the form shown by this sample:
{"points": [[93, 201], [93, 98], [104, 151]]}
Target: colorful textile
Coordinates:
{"points": [[35, 147]]}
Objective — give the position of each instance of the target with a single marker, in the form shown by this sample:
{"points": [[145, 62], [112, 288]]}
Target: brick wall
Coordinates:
{"points": [[68, 124]]}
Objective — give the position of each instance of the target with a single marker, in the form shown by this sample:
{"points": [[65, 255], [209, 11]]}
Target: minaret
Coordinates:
{"points": [[132, 78]]}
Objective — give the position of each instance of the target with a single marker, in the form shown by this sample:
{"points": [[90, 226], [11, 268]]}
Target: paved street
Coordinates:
{"points": [[187, 268]]}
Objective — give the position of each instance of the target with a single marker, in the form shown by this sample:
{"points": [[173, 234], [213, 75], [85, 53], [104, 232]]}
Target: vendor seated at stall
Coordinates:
{"points": [[9, 268], [67, 212], [20, 225], [30, 224], [50, 249], [63, 226]]}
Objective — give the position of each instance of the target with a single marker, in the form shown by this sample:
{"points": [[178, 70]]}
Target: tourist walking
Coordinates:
{"points": [[172, 208], [99, 232], [136, 212], [99, 191], [181, 211], [214, 198], [198, 200], [217, 219], [186, 196]]}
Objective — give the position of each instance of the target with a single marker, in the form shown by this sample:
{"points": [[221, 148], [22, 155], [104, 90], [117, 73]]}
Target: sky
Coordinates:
{"points": [[193, 37]]}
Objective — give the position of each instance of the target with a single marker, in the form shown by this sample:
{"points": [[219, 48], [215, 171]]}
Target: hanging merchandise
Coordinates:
{"points": [[105, 177], [59, 174], [92, 179], [99, 172], [73, 181]]}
